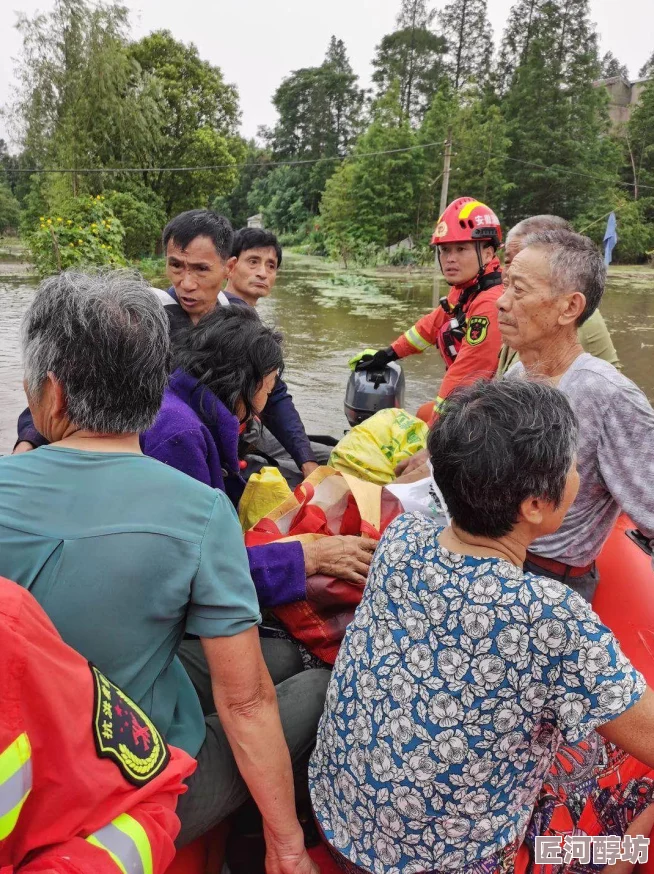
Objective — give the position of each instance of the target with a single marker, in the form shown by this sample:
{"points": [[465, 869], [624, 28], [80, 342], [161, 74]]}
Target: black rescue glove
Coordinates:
{"points": [[379, 361]]}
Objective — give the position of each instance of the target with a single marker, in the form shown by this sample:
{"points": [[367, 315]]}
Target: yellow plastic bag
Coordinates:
{"points": [[373, 449], [264, 491]]}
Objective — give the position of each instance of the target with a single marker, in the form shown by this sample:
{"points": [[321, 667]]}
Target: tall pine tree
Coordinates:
{"points": [[320, 115], [372, 200], [468, 33], [413, 55], [562, 160], [319, 109], [518, 34], [611, 66]]}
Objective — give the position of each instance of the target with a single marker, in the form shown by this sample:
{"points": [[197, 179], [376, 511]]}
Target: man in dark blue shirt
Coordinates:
{"points": [[198, 245], [256, 258]]}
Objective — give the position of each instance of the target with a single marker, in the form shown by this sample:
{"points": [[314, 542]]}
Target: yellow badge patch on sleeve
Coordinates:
{"points": [[124, 733], [477, 330]]}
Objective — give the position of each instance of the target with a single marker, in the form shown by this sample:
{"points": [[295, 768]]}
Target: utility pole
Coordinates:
{"points": [[446, 172], [447, 158]]}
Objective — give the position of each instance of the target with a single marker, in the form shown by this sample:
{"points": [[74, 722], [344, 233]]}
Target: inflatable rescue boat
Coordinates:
{"points": [[624, 601]]}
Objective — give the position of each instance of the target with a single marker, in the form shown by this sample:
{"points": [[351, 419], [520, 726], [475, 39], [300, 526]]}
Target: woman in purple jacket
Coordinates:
{"points": [[226, 367]]}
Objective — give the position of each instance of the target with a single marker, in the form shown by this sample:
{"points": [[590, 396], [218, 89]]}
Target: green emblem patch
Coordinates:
{"points": [[124, 733], [477, 330]]}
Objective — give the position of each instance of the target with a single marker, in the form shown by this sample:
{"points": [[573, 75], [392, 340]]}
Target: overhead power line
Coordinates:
{"points": [[259, 164], [307, 161], [570, 171]]}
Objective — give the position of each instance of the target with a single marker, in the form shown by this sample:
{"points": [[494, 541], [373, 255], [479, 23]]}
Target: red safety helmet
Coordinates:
{"points": [[467, 220]]}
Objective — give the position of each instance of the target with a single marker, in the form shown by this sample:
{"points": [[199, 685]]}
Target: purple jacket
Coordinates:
{"points": [[195, 433], [280, 416]]}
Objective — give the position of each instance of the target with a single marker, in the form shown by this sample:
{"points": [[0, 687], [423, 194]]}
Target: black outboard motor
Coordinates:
{"points": [[369, 391]]}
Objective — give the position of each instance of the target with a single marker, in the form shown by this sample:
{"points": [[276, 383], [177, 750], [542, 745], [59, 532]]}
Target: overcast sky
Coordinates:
{"points": [[258, 42]]}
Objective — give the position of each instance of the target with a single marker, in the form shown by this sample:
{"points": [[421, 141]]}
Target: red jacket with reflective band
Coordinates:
{"points": [[61, 805], [477, 352]]}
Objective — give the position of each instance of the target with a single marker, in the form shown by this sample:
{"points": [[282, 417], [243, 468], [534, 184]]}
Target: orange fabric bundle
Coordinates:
{"points": [[327, 503]]}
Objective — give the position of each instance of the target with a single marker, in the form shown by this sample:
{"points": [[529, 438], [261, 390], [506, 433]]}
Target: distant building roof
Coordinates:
{"points": [[623, 97]]}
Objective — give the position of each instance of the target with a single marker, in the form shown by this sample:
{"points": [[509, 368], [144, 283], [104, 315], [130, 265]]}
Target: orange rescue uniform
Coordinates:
{"points": [[475, 354], [87, 784]]}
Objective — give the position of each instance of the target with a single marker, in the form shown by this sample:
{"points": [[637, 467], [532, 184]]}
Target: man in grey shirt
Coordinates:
{"points": [[553, 285]]}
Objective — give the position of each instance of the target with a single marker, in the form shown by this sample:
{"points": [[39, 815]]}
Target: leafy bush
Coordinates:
{"points": [[84, 233], [154, 270], [316, 242], [350, 250], [402, 258], [635, 232], [9, 210], [143, 222], [290, 241]]}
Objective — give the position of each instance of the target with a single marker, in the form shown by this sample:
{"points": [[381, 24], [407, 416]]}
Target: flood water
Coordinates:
{"points": [[326, 318]]}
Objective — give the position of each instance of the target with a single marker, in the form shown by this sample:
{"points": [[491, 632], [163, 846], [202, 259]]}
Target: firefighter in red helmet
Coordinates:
{"points": [[464, 325]]}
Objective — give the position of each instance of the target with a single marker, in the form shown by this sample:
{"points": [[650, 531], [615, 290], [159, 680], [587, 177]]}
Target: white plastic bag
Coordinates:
{"points": [[423, 496]]}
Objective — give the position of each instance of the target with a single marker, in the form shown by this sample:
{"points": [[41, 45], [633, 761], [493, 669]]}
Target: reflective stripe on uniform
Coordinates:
{"points": [[127, 843], [15, 782], [468, 208], [417, 340]]}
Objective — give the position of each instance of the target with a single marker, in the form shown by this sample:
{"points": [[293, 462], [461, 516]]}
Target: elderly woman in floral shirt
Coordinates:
{"points": [[474, 706]]}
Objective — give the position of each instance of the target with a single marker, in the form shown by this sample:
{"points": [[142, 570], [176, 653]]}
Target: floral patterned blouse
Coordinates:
{"points": [[456, 682]]}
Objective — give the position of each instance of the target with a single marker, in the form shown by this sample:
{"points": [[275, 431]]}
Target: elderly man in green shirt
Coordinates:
{"points": [[593, 335]]}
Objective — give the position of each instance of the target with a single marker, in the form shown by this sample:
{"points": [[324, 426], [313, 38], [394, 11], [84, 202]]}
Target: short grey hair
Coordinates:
{"points": [[498, 443], [576, 264], [535, 224], [104, 336]]}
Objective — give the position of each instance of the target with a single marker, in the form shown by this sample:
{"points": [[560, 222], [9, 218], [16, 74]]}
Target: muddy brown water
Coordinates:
{"points": [[327, 316]]}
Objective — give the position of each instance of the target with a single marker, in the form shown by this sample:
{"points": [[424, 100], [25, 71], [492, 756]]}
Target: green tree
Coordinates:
{"points": [[280, 197], [467, 30], [235, 204], [519, 31], [142, 221], [562, 160], [378, 194], [319, 109], [8, 163], [200, 117], [14, 175], [320, 116], [640, 144], [611, 66], [338, 212], [82, 100], [438, 123], [413, 55], [647, 70], [480, 145]]}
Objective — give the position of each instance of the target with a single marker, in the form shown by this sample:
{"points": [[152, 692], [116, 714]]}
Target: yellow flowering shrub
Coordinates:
{"points": [[84, 233]]}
